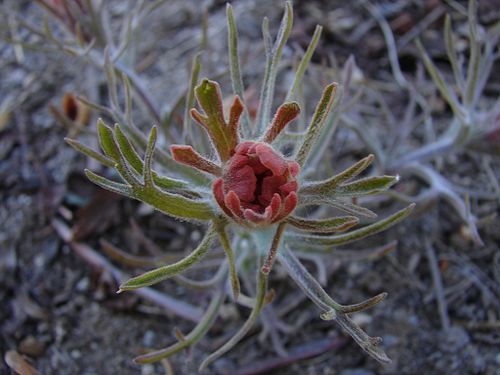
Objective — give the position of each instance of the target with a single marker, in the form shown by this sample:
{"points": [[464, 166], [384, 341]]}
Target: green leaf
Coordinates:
{"points": [[107, 141], [234, 63], [273, 56], [90, 153], [335, 224], [447, 93], [189, 101], [351, 208], [318, 120], [148, 159], [259, 304], [354, 235], [173, 204], [146, 191], [325, 137], [165, 272], [365, 186], [111, 80], [128, 151], [224, 137], [323, 187], [135, 161], [226, 245], [299, 74], [332, 310], [452, 53], [474, 59], [112, 186]]}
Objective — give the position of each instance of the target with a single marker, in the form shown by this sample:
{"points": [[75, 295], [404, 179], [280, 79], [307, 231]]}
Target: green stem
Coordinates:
{"points": [[259, 304], [193, 337]]}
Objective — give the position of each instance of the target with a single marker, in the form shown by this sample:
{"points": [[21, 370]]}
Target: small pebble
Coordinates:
{"points": [[148, 338], [83, 284], [31, 346], [147, 370]]}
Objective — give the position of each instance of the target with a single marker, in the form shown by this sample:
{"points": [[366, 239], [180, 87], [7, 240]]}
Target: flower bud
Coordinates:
{"points": [[258, 185]]}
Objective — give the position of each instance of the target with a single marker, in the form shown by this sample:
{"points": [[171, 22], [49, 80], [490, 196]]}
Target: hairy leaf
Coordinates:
{"points": [[351, 208], [286, 113], [188, 156], [304, 63], [224, 137], [335, 224], [165, 272], [331, 309], [273, 56], [104, 160], [135, 161], [233, 272], [365, 186], [323, 187], [317, 122], [357, 234]]}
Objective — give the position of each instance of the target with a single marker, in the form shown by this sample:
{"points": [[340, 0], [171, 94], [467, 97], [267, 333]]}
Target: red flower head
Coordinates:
{"points": [[258, 185]]}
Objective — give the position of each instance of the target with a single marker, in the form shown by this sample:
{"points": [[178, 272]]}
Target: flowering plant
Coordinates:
{"points": [[250, 195]]}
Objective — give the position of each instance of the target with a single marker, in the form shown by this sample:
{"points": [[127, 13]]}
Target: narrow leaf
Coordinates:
{"points": [[224, 137], [351, 208], [318, 120], [175, 205], [365, 186], [106, 141], [273, 56], [233, 273], [331, 309], [90, 153], [128, 151], [189, 102], [165, 272], [335, 224], [299, 74], [475, 57], [111, 80], [285, 114], [324, 186], [357, 234], [234, 62], [438, 79], [188, 156], [112, 186], [135, 161], [132, 260], [148, 158], [452, 53]]}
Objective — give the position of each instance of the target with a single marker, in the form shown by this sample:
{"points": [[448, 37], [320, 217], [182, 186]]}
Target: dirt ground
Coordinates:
{"points": [[61, 311]]}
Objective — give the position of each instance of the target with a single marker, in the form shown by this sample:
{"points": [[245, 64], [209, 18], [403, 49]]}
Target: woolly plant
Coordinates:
{"points": [[257, 204]]}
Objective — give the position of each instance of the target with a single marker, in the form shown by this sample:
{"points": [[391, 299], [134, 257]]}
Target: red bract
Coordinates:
{"points": [[255, 186], [258, 185]]}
